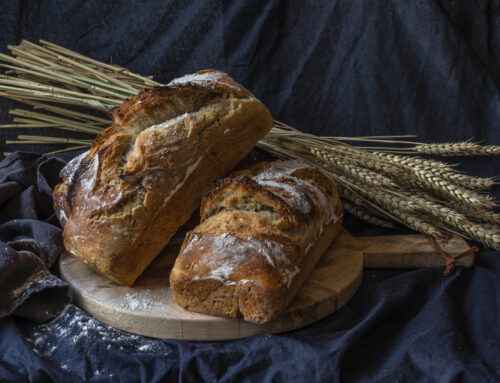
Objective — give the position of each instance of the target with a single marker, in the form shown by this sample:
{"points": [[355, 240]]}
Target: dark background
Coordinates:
{"points": [[344, 67], [327, 67]]}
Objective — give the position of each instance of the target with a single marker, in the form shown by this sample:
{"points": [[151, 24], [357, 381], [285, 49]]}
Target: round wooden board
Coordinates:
{"points": [[148, 308]]}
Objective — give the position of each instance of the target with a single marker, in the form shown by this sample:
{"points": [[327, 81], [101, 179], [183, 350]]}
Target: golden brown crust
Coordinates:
{"points": [[231, 191], [204, 82], [262, 231], [144, 176], [244, 298]]}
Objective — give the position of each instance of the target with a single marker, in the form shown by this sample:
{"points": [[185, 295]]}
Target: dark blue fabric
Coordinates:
{"points": [[339, 67], [30, 238]]}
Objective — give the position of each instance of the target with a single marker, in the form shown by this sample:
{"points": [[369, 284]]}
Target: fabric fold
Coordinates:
{"points": [[29, 246]]}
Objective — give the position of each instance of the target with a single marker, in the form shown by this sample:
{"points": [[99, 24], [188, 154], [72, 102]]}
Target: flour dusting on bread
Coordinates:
{"points": [[202, 78], [297, 192], [71, 167], [232, 252], [256, 241]]}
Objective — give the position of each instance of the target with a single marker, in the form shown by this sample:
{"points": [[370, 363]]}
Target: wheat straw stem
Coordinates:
{"points": [[366, 216], [51, 52], [31, 94], [362, 203], [399, 210], [68, 73], [53, 140], [114, 68], [83, 117], [50, 89], [69, 149], [75, 125], [97, 73], [72, 80]]}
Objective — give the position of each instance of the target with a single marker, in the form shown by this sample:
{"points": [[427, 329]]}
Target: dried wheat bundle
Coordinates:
{"points": [[381, 185]]}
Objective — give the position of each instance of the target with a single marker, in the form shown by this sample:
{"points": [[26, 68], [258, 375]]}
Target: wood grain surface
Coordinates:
{"points": [[148, 308]]}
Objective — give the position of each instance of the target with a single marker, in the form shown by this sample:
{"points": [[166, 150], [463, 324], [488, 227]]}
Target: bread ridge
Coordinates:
{"points": [[221, 271], [144, 176]]}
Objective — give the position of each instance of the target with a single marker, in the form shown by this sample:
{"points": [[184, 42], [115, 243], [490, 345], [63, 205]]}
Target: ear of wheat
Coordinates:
{"points": [[383, 185]]}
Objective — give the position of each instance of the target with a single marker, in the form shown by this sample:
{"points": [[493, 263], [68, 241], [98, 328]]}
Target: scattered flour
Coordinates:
{"points": [[75, 334], [139, 301], [144, 347]]}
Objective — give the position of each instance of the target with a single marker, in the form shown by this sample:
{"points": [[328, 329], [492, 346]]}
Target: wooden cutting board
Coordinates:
{"points": [[148, 308]]}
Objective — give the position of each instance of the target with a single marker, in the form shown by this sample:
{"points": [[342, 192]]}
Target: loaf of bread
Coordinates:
{"points": [[262, 231], [144, 176]]}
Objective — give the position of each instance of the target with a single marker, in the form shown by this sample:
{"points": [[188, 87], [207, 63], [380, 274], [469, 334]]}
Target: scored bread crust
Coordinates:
{"points": [[121, 202], [262, 231]]}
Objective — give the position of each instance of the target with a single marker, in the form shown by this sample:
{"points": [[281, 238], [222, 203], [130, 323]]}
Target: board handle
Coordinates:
{"points": [[411, 252]]}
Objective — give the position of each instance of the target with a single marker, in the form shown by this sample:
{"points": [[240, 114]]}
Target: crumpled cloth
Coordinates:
{"points": [[30, 238]]}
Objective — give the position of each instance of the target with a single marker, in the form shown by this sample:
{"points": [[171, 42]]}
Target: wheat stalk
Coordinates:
{"points": [[456, 149], [491, 226], [441, 170], [448, 190], [479, 214], [367, 176], [366, 216], [480, 232], [400, 209], [363, 160], [365, 205], [461, 180], [491, 150], [464, 180], [485, 234], [409, 161], [431, 175]]}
